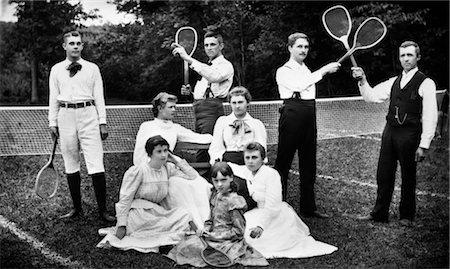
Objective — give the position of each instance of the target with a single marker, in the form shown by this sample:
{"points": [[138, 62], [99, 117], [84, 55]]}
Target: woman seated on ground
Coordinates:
{"points": [[224, 231], [273, 227], [192, 195], [233, 132], [143, 222]]}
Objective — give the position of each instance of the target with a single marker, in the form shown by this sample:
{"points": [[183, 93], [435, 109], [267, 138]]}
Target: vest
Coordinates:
{"points": [[405, 107]]}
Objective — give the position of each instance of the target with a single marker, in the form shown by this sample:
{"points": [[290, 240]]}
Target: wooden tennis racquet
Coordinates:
{"points": [[368, 34], [186, 37], [212, 256], [338, 24], [47, 180]]}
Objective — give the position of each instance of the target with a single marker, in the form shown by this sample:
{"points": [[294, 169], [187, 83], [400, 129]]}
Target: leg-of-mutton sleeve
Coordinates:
{"points": [[217, 147], [130, 184], [181, 168]]}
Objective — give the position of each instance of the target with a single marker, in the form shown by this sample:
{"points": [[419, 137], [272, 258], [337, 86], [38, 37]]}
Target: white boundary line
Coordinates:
{"points": [[374, 186], [38, 245]]}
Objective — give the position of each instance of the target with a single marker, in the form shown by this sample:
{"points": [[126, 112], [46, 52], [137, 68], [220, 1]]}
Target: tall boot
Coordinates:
{"points": [[74, 181], [99, 182]]}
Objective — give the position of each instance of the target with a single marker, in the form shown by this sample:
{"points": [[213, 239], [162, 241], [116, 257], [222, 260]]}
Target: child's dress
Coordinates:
{"points": [[224, 231]]}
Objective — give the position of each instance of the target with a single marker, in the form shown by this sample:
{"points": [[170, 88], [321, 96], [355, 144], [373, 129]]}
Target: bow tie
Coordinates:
{"points": [[73, 68], [239, 125]]}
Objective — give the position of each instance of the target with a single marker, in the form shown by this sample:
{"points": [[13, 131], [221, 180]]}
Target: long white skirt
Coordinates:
{"points": [[148, 227], [191, 195], [286, 236]]}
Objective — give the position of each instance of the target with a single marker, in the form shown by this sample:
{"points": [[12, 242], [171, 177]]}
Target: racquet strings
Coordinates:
{"points": [[216, 258], [47, 182], [370, 33], [186, 38], [337, 22]]}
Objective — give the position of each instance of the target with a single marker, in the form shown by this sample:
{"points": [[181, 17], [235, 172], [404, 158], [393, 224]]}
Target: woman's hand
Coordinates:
{"points": [[256, 232], [121, 232], [173, 158]]}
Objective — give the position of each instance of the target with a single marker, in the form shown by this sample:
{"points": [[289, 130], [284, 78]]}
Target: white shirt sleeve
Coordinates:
{"points": [[217, 147], [429, 112], [289, 79], [273, 199], [53, 105], [139, 154], [99, 95], [213, 73], [187, 135], [377, 94]]}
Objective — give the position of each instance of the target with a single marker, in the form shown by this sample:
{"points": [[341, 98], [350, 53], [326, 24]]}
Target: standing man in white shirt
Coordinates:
{"points": [[297, 124], [77, 115], [212, 89], [410, 125]]}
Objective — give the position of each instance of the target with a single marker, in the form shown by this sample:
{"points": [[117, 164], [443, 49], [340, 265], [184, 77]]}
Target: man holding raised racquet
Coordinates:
{"points": [[212, 88], [77, 115], [297, 125], [410, 125]]}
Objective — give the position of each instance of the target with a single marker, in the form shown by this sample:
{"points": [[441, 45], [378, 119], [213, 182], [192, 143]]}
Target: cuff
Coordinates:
{"points": [[121, 221], [195, 65]]}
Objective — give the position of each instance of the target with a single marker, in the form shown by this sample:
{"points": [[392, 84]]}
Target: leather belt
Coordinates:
{"points": [[77, 105]]}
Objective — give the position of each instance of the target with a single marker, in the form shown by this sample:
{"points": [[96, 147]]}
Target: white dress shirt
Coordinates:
{"points": [[427, 90], [86, 85], [294, 77], [219, 74], [170, 131], [224, 140]]}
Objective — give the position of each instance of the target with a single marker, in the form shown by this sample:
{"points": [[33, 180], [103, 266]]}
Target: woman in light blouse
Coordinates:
{"points": [[234, 131], [273, 228]]}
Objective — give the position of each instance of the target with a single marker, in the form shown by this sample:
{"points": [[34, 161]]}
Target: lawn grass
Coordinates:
{"points": [[344, 189]]}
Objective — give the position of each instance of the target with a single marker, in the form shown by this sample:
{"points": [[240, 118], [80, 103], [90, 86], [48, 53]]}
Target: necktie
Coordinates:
{"points": [[73, 68], [208, 92], [240, 127]]}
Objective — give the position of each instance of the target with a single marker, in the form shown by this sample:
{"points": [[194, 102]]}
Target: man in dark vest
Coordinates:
{"points": [[410, 125]]}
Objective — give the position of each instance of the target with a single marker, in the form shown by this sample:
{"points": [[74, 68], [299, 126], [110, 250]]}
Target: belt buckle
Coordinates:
{"points": [[79, 105]]}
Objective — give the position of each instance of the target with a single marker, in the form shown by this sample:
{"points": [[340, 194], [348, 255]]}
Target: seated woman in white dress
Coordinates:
{"points": [[143, 223], [234, 131], [193, 195], [273, 228]]}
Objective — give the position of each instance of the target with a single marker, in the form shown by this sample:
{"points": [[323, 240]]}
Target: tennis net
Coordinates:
{"points": [[24, 130]]}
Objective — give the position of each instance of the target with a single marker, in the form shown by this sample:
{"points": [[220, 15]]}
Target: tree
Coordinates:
{"points": [[38, 33]]}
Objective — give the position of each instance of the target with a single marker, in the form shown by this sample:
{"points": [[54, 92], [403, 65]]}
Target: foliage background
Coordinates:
{"points": [[136, 62]]}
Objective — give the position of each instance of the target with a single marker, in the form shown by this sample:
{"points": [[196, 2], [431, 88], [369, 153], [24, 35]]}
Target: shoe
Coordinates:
{"points": [[406, 223], [316, 214], [72, 214], [106, 217]]}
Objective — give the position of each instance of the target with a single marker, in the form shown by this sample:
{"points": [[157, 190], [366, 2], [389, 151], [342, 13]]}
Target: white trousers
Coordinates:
{"points": [[80, 128]]}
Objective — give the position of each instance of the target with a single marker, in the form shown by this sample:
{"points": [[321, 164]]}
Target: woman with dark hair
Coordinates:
{"points": [[234, 131], [143, 222], [224, 230], [273, 227]]}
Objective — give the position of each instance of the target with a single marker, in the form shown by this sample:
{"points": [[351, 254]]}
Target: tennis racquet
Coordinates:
{"points": [[338, 24], [47, 180], [212, 256], [187, 37], [368, 34]]}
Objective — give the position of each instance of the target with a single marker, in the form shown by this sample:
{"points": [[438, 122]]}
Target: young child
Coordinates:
{"points": [[224, 230]]}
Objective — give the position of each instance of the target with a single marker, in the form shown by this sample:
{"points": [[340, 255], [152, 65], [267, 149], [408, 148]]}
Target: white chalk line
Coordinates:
{"points": [[370, 185], [38, 245]]}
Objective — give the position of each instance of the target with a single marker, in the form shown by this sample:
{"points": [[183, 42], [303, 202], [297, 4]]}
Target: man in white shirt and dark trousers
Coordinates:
{"points": [[410, 126], [212, 89], [77, 115], [297, 124]]}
